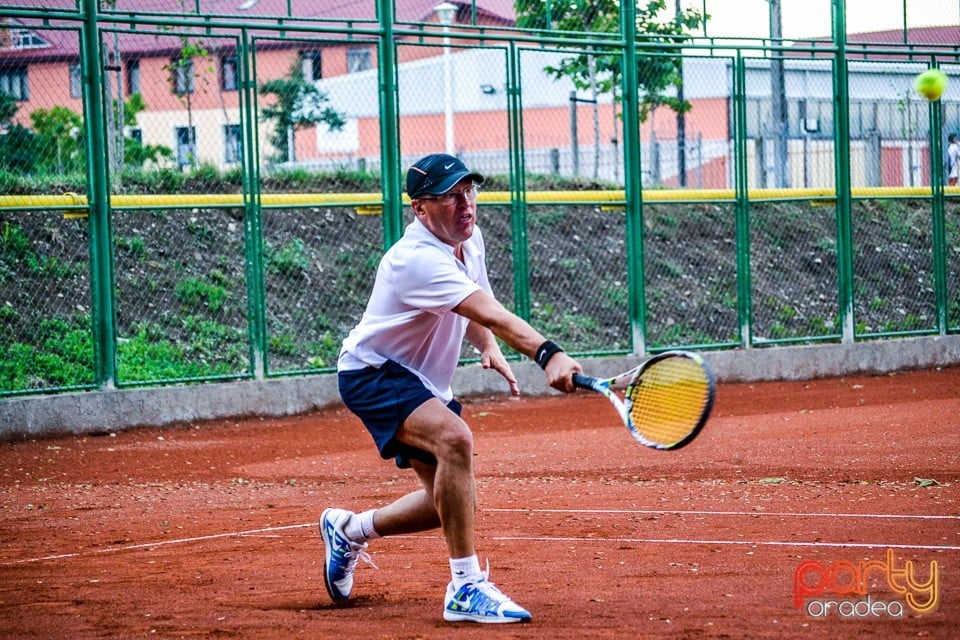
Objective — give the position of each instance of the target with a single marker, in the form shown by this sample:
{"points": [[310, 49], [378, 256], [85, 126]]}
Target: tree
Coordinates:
{"points": [[8, 109], [599, 72], [18, 145], [298, 104], [183, 82], [136, 153], [60, 143]]}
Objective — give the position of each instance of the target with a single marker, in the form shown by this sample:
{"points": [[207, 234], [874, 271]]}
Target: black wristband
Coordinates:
{"points": [[546, 351]]}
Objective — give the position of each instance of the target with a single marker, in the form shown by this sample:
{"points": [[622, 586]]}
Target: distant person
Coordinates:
{"points": [[953, 160], [395, 370]]}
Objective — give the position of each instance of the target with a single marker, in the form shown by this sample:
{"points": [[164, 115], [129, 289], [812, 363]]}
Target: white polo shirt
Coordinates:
{"points": [[408, 318]]}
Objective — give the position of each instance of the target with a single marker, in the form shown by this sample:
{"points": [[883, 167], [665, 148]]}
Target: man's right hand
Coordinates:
{"points": [[560, 370]]}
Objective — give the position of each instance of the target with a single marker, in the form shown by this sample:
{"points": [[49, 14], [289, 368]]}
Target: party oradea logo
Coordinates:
{"points": [[866, 588]]}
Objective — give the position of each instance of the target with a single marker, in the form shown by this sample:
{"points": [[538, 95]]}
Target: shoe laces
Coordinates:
{"points": [[358, 552], [487, 588]]}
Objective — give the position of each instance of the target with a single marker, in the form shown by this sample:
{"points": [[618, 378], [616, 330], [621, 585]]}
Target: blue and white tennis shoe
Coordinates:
{"points": [[481, 602], [340, 554]]}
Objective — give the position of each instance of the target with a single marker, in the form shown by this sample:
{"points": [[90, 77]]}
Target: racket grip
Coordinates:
{"points": [[584, 382]]}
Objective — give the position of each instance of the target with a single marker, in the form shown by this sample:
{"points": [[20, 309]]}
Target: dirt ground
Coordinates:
{"points": [[209, 530]]}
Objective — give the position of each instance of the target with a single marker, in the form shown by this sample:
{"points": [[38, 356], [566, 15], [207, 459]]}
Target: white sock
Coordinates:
{"points": [[359, 527], [465, 571]]}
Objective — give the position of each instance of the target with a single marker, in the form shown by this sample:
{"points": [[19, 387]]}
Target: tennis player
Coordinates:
{"points": [[395, 371]]}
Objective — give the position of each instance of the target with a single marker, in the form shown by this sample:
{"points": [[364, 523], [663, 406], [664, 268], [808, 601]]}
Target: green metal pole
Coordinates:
{"points": [[939, 213], [252, 211], [633, 180], [389, 127], [103, 303], [905, 30], [518, 187], [742, 206], [841, 138]]}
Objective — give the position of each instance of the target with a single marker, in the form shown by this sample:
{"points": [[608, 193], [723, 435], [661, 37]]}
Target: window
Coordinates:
{"points": [[133, 76], [76, 90], [228, 72], [310, 65], [186, 146], [182, 76], [358, 59], [26, 39], [13, 82], [232, 143], [135, 134]]}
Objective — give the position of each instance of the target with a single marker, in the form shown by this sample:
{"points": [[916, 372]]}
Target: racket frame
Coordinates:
{"points": [[628, 379]]}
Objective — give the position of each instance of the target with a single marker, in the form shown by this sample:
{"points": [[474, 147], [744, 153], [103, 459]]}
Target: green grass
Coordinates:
{"points": [[192, 293], [60, 353], [290, 259], [136, 246], [57, 353], [212, 350]]}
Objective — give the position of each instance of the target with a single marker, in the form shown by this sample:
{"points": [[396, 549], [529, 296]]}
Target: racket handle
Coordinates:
{"points": [[584, 382]]}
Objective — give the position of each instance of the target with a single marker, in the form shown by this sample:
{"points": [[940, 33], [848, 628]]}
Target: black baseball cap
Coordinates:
{"points": [[436, 174]]}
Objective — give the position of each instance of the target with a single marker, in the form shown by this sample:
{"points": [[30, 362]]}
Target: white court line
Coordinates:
{"points": [[257, 532], [148, 545], [783, 514], [750, 543]]}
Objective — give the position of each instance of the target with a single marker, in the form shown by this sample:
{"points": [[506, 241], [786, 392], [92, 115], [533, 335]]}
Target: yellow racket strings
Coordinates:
{"points": [[668, 400]]}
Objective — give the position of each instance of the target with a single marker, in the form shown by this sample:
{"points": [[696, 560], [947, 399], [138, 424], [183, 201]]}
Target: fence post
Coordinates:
{"points": [[873, 158], [841, 137], [574, 142], [633, 181], [699, 151], [518, 186], [742, 211], [389, 126], [760, 153], [252, 212], [103, 305], [656, 175], [938, 217]]}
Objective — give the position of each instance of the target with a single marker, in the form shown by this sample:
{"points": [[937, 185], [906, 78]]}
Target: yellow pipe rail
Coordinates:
{"points": [[368, 202]]}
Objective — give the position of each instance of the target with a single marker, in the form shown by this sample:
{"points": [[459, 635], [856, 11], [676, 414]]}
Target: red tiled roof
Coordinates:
{"points": [[942, 35], [947, 35], [407, 10], [65, 43], [860, 44]]}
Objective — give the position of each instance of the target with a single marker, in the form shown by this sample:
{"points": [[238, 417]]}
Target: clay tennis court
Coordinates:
{"points": [[209, 530]]}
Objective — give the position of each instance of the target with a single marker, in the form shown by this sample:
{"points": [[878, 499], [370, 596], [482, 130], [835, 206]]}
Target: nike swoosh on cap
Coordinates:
{"points": [[446, 167]]}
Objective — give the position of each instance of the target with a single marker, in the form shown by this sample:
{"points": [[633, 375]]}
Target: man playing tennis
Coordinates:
{"points": [[395, 371]]}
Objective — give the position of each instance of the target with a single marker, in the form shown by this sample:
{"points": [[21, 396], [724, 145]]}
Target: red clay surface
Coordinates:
{"points": [[209, 530]]}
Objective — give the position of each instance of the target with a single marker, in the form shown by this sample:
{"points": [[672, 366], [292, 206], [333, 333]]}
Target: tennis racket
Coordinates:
{"points": [[666, 401]]}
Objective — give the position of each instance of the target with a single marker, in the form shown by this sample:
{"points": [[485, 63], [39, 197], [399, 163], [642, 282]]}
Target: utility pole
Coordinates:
{"points": [[681, 119], [778, 97]]}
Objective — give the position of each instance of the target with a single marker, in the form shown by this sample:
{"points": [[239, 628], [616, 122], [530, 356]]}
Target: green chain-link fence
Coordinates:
{"points": [[197, 190]]}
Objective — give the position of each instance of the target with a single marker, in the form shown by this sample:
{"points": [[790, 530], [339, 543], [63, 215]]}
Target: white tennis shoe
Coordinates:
{"points": [[340, 554], [482, 602]]}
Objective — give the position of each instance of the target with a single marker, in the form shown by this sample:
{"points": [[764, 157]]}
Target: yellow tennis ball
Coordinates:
{"points": [[930, 84]]}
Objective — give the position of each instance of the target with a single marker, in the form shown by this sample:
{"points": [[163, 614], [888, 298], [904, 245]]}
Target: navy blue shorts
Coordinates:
{"points": [[383, 398]]}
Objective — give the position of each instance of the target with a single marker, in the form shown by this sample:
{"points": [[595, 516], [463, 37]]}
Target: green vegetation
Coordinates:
{"points": [[182, 280], [150, 355], [297, 103], [53, 148], [290, 259], [55, 352], [192, 292]]}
